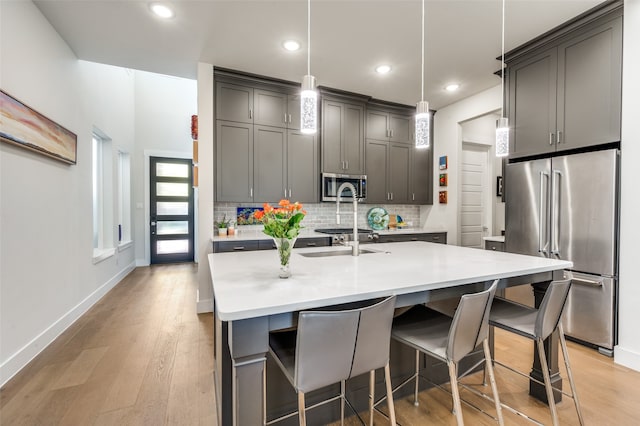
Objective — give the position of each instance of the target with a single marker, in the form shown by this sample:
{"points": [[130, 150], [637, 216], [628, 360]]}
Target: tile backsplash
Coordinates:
{"points": [[323, 215]]}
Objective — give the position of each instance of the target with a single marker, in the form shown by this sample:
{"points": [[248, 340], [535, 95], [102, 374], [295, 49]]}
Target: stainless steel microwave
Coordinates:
{"points": [[332, 181]]}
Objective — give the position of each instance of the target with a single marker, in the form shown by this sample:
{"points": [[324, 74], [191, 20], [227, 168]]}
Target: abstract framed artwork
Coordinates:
{"points": [[22, 126]]}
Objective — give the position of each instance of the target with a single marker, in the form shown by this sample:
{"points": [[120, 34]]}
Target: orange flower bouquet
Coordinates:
{"points": [[283, 225]]}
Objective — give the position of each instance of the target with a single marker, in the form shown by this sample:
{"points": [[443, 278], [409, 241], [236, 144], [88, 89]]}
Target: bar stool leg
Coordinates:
{"points": [[453, 377], [342, 403], [372, 394], [415, 393], [301, 413], [387, 380], [565, 355], [547, 382], [488, 367]]}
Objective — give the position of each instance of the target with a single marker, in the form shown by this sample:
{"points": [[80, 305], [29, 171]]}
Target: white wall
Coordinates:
{"points": [[628, 350], [47, 277], [448, 141], [163, 109]]}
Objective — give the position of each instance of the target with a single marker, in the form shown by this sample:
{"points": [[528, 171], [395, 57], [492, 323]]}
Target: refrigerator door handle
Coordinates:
{"points": [[555, 211], [542, 244]]}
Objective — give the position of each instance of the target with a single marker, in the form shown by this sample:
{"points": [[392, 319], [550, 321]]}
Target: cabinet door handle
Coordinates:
{"points": [[391, 132], [413, 196], [559, 136], [251, 113], [285, 192], [289, 192], [347, 163], [251, 192], [289, 118], [551, 138], [285, 117], [392, 196]]}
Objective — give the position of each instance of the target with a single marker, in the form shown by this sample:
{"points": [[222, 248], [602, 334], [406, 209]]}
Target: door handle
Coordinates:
{"points": [[555, 212], [589, 283], [153, 224], [541, 217]]}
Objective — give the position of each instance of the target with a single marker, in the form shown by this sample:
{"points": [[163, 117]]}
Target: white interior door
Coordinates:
{"points": [[474, 191]]}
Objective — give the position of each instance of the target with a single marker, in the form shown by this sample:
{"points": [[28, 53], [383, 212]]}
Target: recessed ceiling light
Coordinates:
{"points": [[161, 10], [383, 69], [291, 45], [452, 87]]}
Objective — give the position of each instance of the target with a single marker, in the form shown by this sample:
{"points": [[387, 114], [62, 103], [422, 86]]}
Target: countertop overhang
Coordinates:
{"points": [[246, 284]]}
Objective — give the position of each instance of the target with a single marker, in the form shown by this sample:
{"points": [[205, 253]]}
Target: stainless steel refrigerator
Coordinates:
{"points": [[567, 208]]}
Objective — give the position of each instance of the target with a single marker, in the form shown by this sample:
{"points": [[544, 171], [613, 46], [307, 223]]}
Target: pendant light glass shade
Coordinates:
{"points": [[308, 105], [423, 125], [502, 137]]}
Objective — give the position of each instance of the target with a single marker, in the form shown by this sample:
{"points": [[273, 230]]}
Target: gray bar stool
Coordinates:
{"points": [[537, 325], [450, 339], [332, 346]]}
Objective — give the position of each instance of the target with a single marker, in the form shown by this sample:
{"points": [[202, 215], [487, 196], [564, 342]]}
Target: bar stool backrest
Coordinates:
{"points": [[326, 343], [470, 324], [550, 310], [374, 337]]}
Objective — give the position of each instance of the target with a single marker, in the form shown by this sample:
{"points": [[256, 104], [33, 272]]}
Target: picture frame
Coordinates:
{"points": [[442, 197], [444, 180], [499, 186], [444, 162], [25, 127]]}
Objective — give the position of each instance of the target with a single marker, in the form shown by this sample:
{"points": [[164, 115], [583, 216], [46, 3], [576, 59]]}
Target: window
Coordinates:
{"points": [[124, 198], [102, 197]]}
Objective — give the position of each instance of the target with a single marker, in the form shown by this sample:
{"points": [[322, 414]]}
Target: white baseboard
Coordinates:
{"points": [[141, 262], [203, 306], [22, 357], [626, 358]]}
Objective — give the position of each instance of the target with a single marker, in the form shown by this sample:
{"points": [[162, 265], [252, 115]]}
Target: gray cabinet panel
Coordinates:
{"points": [[401, 128], [332, 123], [302, 167], [293, 111], [532, 104], [270, 108], [589, 87], [269, 163], [377, 125], [399, 172], [234, 103], [377, 159], [234, 161], [353, 142], [422, 176]]}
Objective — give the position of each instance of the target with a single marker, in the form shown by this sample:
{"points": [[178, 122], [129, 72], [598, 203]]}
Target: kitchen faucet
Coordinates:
{"points": [[355, 249]]}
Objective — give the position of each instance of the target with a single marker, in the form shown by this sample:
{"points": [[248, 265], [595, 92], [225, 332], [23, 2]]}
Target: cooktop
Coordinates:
{"points": [[341, 230]]}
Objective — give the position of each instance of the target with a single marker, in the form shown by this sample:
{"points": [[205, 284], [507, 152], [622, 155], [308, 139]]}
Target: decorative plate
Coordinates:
{"points": [[378, 218]]}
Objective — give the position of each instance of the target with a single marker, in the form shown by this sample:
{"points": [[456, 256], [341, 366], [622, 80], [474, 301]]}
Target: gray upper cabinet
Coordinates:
{"points": [[399, 172], [271, 108], [342, 137], [269, 161], [302, 167], [383, 125], [234, 103], [568, 95], [234, 161], [377, 160], [388, 172], [293, 111]]}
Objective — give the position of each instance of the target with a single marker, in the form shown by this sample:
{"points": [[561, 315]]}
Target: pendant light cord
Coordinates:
{"points": [[422, 74], [502, 61], [309, 37]]}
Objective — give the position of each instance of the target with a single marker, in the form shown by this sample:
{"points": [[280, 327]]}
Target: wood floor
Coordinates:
{"points": [[142, 356]]}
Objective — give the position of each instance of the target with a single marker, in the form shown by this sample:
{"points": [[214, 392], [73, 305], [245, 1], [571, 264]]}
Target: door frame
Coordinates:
{"points": [[489, 210], [148, 153]]}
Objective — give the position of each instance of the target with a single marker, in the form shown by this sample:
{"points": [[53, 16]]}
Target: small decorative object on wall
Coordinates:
{"points": [[25, 127], [443, 162], [444, 180], [498, 186], [194, 127], [442, 197], [245, 215]]}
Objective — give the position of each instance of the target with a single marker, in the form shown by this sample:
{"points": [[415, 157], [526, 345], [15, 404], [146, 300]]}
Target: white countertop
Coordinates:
{"points": [[497, 238], [255, 233], [246, 284]]}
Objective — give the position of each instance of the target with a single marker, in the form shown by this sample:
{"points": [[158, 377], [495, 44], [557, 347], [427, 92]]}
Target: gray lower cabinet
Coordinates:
{"points": [[252, 245], [421, 184], [567, 95], [399, 172], [377, 155], [234, 161], [388, 167], [434, 237], [493, 245], [302, 167], [342, 137]]}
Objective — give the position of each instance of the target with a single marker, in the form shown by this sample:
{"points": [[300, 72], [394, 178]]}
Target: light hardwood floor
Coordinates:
{"points": [[142, 356]]}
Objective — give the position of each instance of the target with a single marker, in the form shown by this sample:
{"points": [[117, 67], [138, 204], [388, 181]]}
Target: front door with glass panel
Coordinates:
{"points": [[171, 200]]}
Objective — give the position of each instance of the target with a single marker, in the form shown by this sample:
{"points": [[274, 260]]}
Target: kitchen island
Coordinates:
{"points": [[250, 300]]}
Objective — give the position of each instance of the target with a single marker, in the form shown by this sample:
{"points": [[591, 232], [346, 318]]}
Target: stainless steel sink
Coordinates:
{"points": [[343, 252]]}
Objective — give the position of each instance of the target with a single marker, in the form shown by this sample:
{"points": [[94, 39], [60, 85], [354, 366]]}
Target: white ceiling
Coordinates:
{"points": [[348, 39]]}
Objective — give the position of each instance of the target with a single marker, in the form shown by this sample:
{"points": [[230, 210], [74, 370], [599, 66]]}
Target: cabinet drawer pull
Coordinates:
{"points": [[311, 244], [239, 248], [414, 239], [435, 237]]}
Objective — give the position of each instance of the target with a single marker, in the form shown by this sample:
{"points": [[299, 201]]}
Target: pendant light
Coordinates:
{"points": [[308, 96], [502, 125], [422, 108]]}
